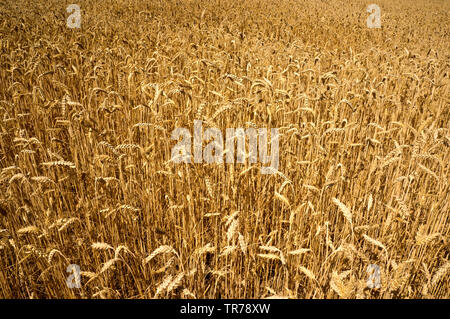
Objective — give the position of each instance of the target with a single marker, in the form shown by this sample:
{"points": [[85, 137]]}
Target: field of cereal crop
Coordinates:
{"points": [[88, 184]]}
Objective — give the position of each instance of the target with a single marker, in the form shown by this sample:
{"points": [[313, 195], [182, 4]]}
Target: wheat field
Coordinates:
{"points": [[86, 176]]}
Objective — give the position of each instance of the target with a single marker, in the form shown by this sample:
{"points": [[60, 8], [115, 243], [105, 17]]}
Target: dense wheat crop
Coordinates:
{"points": [[86, 176]]}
